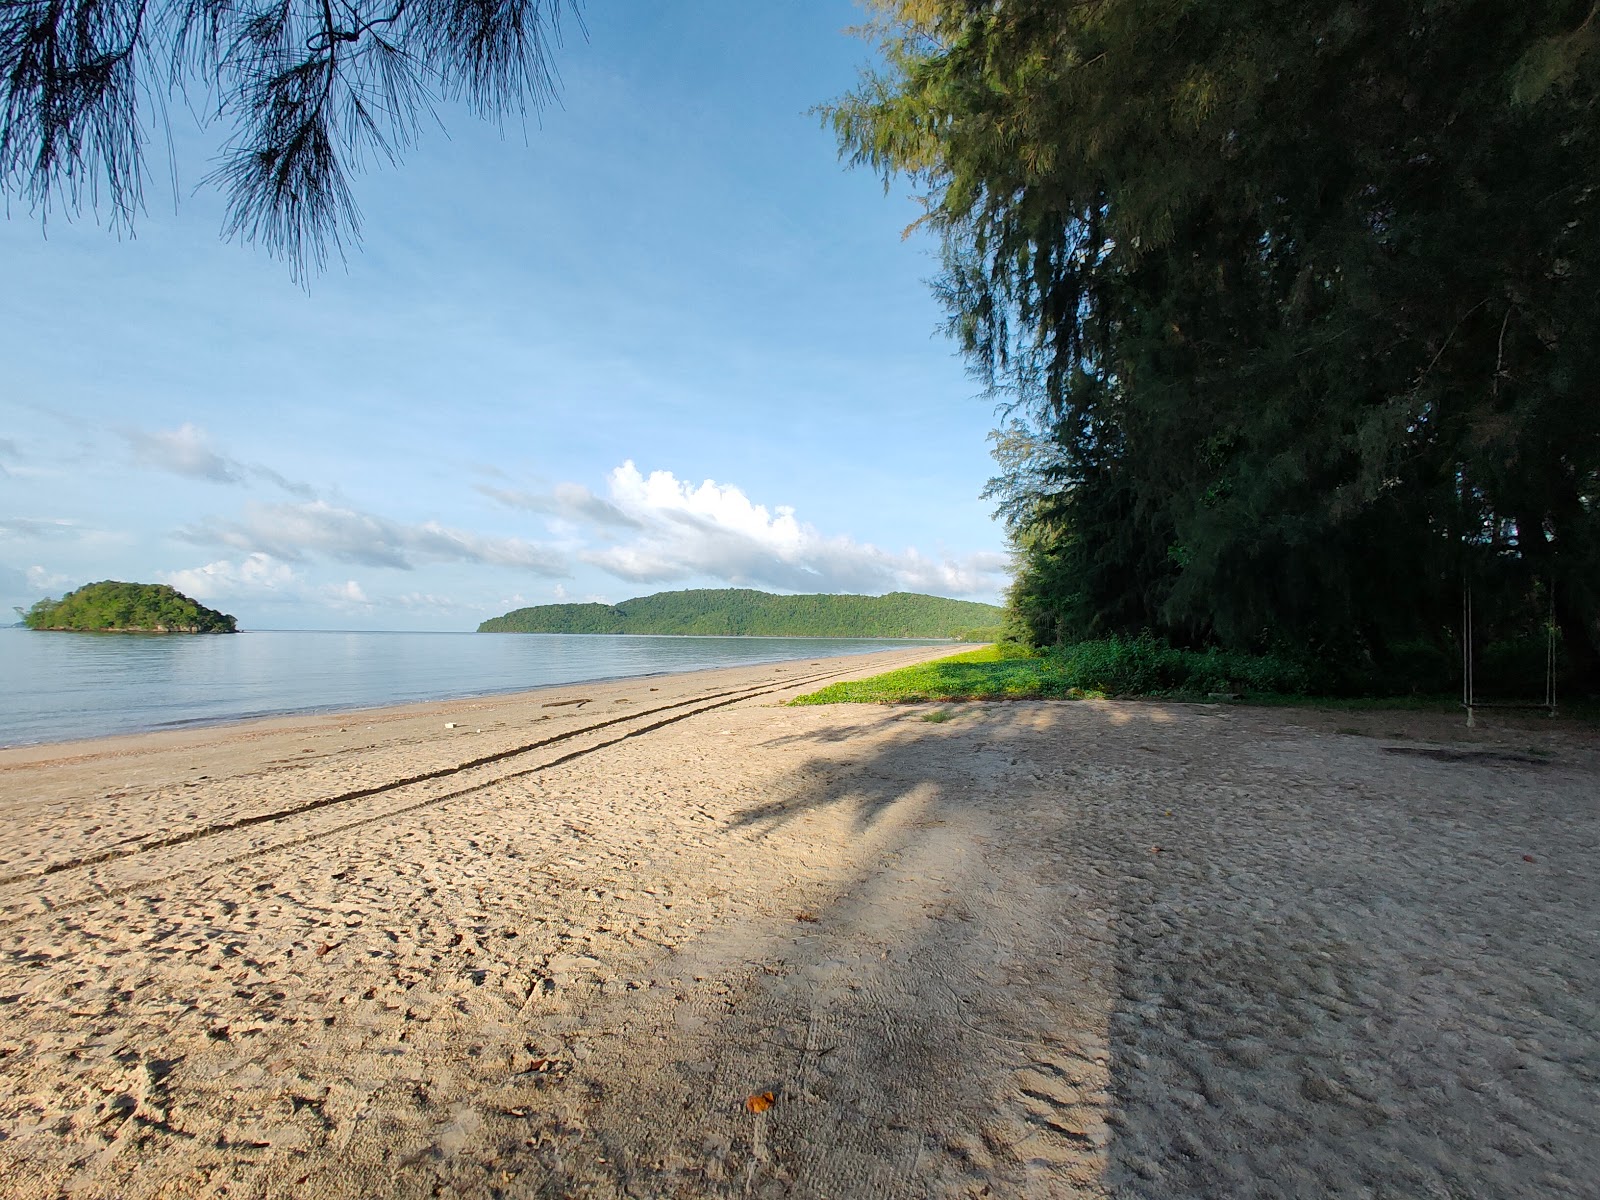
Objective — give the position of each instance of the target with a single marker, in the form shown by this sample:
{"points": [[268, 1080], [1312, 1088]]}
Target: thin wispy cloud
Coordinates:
{"points": [[568, 501], [259, 579], [32, 583], [34, 527], [42, 580], [299, 532], [187, 451]]}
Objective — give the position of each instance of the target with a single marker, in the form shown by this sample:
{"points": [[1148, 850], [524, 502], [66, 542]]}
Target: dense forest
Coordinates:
{"points": [[741, 612], [1290, 305], [111, 607]]}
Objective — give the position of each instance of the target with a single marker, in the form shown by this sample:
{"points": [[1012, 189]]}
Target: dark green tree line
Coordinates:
{"points": [[743, 612], [1291, 301]]}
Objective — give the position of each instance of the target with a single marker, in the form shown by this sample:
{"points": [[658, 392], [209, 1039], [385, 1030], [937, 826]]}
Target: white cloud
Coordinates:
{"points": [[567, 501], [183, 451], [35, 527], [348, 594], [428, 602], [256, 576], [41, 580], [293, 532], [715, 530], [263, 579], [187, 451]]}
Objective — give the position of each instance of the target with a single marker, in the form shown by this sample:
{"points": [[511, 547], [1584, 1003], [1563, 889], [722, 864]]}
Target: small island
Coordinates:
{"points": [[113, 607], [744, 612]]}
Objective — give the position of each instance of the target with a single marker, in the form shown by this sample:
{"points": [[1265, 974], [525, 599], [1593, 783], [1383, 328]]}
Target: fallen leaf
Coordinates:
{"points": [[323, 949], [1529, 858], [1155, 849], [760, 1102], [809, 918]]}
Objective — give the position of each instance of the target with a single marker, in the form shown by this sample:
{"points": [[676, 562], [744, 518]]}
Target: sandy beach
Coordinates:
{"points": [[667, 937]]}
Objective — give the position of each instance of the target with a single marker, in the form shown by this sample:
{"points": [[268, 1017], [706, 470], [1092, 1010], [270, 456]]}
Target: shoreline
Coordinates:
{"points": [[310, 712], [315, 720]]}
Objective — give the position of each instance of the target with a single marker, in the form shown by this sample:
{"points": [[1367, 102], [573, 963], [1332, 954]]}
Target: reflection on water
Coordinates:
{"points": [[56, 686]]}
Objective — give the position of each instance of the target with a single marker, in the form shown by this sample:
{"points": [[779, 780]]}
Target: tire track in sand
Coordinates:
{"points": [[99, 893]]}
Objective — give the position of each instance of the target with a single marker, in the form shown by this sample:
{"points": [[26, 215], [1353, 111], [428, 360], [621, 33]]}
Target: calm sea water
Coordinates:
{"points": [[58, 686]]}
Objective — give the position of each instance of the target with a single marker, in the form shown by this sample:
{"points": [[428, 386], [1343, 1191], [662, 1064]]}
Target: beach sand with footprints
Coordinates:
{"points": [[569, 943]]}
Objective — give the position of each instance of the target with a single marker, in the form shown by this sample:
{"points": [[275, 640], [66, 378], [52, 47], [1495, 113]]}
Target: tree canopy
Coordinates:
{"points": [[311, 89], [113, 607], [744, 612], [1290, 303]]}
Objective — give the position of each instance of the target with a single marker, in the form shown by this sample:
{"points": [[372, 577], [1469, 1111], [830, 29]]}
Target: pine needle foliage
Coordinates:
{"points": [[1290, 304], [313, 90]]}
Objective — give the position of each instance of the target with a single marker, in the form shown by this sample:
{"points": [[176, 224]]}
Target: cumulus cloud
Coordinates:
{"points": [[349, 593], [710, 529], [262, 579], [296, 532], [255, 576], [187, 451]]}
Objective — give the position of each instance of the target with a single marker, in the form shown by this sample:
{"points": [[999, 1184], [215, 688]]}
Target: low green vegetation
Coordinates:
{"points": [[113, 607], [1001, 672], [980, 633], [742, 612], [1141, 666]]}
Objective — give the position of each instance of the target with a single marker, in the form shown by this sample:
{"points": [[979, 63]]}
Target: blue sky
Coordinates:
{"points": [[662, 338]]}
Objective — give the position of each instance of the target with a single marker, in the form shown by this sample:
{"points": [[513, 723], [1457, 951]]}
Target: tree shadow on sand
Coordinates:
{"points": [[1127, 947]]}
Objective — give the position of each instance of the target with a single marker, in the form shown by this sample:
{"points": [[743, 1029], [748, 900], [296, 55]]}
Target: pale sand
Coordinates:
{"points": [[952, 951]]}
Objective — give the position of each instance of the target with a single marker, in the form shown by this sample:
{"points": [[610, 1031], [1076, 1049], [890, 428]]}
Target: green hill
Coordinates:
{"points": [[111, 607], [741, 612]]}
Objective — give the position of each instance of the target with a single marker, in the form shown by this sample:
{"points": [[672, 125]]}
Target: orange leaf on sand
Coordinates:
{"points": [[760, 1102]]}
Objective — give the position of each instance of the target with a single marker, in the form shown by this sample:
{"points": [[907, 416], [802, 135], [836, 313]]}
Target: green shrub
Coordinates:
{"points": [[1141, 666], [1146, 666]]}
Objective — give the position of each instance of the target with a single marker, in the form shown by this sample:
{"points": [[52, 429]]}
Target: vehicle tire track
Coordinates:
{"points": [[179, 839], [719, 700]]}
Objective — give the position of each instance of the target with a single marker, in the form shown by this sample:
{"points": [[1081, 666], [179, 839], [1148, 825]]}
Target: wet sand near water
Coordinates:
{"points": [[1029, 949]]}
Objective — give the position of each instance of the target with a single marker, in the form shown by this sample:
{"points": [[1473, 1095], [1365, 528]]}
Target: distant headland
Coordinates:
{"points": [[113, 607], [742, 612]]}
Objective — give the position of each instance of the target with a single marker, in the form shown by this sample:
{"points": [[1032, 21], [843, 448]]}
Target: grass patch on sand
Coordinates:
{"points": [[1139, 666], [993, 673], [1120, 667]]}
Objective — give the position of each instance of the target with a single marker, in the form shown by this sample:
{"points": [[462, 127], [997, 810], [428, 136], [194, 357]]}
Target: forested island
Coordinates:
{"points": [[743, 612], [113, 607]]}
